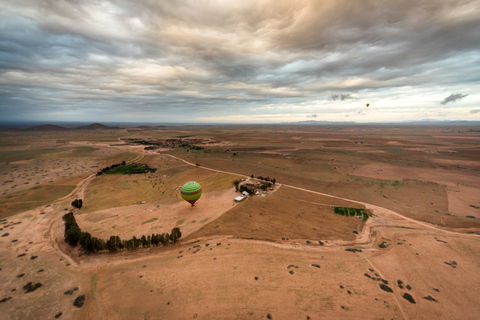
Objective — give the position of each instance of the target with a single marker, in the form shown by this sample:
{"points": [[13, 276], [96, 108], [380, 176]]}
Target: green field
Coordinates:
{"points": [[132, 169], [352, 212]]}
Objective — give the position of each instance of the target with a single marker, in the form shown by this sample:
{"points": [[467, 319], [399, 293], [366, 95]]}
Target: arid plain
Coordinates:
{"points": [[283, 254]]}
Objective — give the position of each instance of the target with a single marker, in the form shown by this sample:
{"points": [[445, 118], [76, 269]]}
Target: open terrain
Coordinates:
{"points": [[281, 255]]}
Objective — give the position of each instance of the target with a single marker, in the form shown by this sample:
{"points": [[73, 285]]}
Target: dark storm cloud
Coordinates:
{"points": [[453, 97], [220, 57]]}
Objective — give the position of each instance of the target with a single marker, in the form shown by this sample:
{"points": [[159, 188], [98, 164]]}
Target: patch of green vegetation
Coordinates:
{"points": [[204, 220], [392, 150], [151, 220], [193, 221], [93, 283], [397, 184], [352, 212], [383, 244], [179, 222], [131, 169]]}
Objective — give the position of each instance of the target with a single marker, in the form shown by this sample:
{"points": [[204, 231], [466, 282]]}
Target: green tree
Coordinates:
{"points": [[175, 234], [236, 183], [72, 235], [114, 243], [77, 203], [85, 241]]}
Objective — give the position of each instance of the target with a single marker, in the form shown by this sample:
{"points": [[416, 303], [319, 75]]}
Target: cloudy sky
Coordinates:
{"points": [[248, 61]]}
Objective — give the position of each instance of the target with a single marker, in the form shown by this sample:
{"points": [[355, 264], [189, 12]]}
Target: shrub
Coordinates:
{"points": [[77, 203], [29, 287], [386, 288], [408, 297], [79, 301]]}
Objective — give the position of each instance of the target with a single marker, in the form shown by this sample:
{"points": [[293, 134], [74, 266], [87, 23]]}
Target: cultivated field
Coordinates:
{"points": [[286, 255]]}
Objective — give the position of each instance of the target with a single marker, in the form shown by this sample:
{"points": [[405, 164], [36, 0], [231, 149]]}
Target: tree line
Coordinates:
{"points": [[113, 166], [74, 235], [272, 180]]}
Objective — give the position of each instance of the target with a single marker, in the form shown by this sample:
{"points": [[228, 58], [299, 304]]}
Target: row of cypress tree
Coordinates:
{"points": [[74, 235]]}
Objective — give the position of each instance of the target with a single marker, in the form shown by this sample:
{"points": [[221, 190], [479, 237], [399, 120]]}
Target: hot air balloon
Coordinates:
{"points": [[368, 104], [191, 192]]}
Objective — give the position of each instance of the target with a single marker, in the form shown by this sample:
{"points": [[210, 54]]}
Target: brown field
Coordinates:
{"points": [[421, 185], [281, 216]]}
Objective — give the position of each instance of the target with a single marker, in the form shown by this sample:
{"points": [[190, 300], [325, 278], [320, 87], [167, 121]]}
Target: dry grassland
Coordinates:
{"points": [[231, 262], [280, 216]]}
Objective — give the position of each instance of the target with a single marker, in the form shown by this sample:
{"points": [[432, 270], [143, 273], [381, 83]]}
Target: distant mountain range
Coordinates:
{"points": [[52, 127], [418, 122]]}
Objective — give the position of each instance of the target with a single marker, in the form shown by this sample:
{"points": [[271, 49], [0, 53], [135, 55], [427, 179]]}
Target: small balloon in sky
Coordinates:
{"points": [[368, 104]]}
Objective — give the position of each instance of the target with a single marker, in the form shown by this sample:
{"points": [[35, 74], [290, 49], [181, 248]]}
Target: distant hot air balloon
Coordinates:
{"points": [[191, 192], [368, 104]]}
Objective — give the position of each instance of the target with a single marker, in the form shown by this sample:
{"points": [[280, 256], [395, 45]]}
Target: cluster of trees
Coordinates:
{"points": [[265, 186], [77, 203], [113, 166], [185, 145], [74, 236], [273, 180], [242, 188], [249, 190], [123, 168]]}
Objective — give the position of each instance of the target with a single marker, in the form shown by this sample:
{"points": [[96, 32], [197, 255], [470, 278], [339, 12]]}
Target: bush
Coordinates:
{"points": [[77, 203], [79, 301], [29, 287], [72, 235], [408, 297], [386, 288]]}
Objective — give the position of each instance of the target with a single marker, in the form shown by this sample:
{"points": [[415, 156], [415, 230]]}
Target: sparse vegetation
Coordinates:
{"points": [[151, 220], [383, 244]]}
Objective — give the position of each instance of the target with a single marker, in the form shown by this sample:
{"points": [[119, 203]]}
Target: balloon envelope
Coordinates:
{"points": [[191, 192], [368, 104]]}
